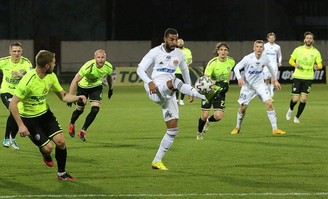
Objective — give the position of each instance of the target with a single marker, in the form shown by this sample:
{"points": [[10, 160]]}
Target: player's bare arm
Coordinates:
{"points": [[74, 82]]}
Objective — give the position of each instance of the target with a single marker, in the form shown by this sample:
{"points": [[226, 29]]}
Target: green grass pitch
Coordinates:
{"points": [[115, 161]]}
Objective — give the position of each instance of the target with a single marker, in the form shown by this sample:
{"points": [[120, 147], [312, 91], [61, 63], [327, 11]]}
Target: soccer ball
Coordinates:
{"points": [[204, 85]]}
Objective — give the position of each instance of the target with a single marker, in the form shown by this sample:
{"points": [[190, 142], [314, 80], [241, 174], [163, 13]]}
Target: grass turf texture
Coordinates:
{"points": [[115, 161]]}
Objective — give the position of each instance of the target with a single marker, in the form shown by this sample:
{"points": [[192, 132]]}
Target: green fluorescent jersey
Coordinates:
{"points": [[306, 58], [33, 92], [219, 71], [92, 76], [188, 56], [9, 82]]}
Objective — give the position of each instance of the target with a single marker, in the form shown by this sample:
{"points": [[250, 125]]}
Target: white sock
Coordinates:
{"points": [[240, 118], [166, 143], [273, 119], [186, 89]]}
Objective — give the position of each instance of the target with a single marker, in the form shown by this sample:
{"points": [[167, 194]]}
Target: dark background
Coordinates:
{"points": [[48, 21]]}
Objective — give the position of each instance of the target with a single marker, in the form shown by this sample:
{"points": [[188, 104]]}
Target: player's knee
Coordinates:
{"points": [[47, 149], [177, 83]]}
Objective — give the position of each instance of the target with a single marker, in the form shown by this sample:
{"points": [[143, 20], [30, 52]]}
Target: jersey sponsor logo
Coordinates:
{"points": [[168, 58], [268, 53], [166, 70], [256, 72], [12, 81]]}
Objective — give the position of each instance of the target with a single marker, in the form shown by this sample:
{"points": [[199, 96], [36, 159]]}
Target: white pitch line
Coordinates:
{"points": [[166, 195]]}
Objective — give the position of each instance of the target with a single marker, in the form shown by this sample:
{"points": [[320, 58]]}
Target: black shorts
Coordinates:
{"points": [[218, 103], [179, 76], [6, 98], [94, 94], [42, 128], [301, 86]]}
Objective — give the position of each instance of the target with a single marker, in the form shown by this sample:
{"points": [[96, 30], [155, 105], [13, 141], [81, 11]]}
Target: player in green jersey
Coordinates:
{"points": [[89, 83], [33, 115], [14, 67], [178, 73], [218, 70], [308, 59]]}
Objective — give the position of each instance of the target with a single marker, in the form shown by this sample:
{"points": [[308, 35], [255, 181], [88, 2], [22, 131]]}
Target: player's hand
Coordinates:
{"points": [[70, 104], [152, 88], [277, 84], [23, 131], [191, 98], [315, 67], [110, 93], [241, 82]]}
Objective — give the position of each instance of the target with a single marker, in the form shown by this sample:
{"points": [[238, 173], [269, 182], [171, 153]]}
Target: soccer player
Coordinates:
{"points": [[178, 73], [218, 70], [252, 85], [14, 67], [273, 51], [33, 115], [308, 58], [157, 69], [89, 83]]}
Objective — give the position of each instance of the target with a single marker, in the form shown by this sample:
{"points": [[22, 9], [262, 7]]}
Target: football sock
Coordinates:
{"points": [[292, 104], [91, 117], [201, 125], [186, 89], [273, 119], [11, 123], [240, 118], [212, 119], [301, 107], [166, 143], [61, 156], [76, 114]]}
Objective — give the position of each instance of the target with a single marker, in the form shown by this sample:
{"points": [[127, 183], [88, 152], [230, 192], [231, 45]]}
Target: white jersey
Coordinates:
{"points": [[253, 76], [159, 66], [274, 53]]}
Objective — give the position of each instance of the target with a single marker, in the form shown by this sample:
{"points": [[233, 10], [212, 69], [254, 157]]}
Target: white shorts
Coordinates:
{"points": [[247, 94], [167, 100]]}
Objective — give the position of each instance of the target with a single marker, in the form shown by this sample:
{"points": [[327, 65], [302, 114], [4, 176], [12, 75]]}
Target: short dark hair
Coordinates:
{"points": [[218, 46], [171, 31], [308, 33], [43, 58], [15, 44]]}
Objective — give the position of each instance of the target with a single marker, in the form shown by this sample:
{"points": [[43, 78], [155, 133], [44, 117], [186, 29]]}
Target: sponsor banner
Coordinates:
{"points": [[126, 76]]}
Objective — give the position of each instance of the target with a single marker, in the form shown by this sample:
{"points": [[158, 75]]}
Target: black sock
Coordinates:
{"points": [[91, 117], [212, 119], [76, 114], [9, 126], [201, 125], [292, 104], [300, 109], [61, 156], [46, 156]]}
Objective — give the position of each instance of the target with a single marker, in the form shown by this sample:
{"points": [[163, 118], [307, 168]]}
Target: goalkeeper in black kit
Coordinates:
{"points": [[218, 70]]}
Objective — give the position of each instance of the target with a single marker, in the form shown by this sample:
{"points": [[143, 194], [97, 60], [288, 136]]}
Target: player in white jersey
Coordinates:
{"points": [[157, 70], [273, 51], [252, 85]]}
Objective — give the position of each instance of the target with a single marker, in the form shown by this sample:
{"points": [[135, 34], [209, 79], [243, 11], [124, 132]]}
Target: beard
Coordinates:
{"points": [[48, 71], [168, 47]]}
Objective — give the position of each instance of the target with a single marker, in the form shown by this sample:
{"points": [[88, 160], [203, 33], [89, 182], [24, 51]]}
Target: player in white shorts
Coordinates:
{"points": [[273, 51], [252, 85], [157, 70]]}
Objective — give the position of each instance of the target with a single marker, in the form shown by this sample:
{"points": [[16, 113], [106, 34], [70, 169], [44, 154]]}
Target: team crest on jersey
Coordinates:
{"points": [[312, 56], [305, 59], [263, 66], [175, 62], [45, 91], [21, 71], [228, 68]]}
